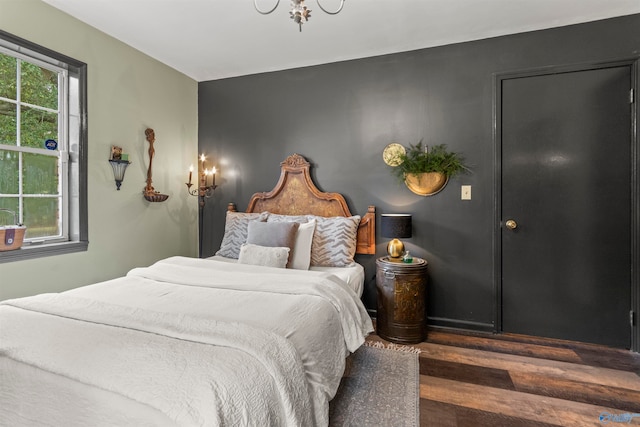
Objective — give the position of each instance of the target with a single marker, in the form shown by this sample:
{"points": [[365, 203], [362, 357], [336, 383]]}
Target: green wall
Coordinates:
{"points": [[127, 92]]}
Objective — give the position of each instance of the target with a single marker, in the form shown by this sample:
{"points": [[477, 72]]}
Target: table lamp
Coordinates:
{"points": [[396, 226]]}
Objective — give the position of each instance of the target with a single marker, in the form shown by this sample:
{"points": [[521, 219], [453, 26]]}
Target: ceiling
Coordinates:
{"points": [[214, 39]]}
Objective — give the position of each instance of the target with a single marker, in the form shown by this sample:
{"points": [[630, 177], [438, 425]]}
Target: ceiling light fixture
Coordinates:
{"points": [[299, 12]]}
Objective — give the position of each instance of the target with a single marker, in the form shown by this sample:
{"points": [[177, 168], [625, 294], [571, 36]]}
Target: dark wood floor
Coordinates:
{"points": [[509, 380]]}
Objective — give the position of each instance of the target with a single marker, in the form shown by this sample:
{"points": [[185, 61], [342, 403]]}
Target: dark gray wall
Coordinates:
{"points": [[340, 116]]}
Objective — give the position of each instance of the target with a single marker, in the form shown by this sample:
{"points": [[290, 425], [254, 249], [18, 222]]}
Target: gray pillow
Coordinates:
{"points": [[272, 234]]}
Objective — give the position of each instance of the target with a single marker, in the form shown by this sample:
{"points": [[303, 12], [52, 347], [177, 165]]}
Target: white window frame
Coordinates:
{"points": [[72, 150]]}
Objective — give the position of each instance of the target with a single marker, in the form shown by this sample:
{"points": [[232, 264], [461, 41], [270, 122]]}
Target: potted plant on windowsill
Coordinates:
{"points": [[426, 170]]}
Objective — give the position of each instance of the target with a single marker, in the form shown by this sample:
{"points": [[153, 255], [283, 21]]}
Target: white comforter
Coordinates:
{"points": [[183, 342]]}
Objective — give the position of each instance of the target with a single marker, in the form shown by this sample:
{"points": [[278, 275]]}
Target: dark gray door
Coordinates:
{"points": [[566, 185]]}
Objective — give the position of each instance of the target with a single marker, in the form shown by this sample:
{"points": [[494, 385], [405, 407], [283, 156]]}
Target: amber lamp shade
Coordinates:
{"points": [[396, 226]]}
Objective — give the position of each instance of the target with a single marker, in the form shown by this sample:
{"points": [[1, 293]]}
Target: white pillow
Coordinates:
{"points": [[301, 251], [263, 255]]}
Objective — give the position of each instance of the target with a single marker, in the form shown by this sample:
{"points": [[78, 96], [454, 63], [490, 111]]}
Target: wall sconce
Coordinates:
{"points": [[206, 182], [396, 226], [119, 163]]}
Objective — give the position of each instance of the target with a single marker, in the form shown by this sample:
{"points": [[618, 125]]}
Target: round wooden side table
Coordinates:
{"points": [[401, 287]]}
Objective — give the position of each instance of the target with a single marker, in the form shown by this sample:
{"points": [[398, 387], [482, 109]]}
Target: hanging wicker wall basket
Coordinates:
{"points": [[426, 184]]}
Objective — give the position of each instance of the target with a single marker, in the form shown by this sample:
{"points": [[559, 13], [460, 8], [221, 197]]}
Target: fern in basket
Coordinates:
{"points": [[423, 159]]}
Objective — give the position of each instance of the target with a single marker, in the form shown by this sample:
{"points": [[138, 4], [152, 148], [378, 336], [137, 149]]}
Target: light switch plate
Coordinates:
{"points": [[465, 192]]}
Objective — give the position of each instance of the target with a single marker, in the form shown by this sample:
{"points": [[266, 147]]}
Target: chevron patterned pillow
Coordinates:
{"points": [[301, 219], [334, 241], [235, 232]]}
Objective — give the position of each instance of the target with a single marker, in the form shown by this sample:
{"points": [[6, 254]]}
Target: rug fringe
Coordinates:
{"points": [[392, 346]]}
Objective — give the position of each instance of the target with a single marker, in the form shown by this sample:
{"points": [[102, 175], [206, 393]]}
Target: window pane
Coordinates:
{"points": [[10, 203], [41, 217], [8, 172], [39, 174], [7, 123], [36, 126], [39, 86], [7, 76], [49, 197]]}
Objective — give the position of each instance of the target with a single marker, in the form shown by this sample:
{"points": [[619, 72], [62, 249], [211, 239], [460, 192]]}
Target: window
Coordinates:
{"points": [[43, 137]]}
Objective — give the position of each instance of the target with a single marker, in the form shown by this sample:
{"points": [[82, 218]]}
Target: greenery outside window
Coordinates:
{"points": [[43, 137]]}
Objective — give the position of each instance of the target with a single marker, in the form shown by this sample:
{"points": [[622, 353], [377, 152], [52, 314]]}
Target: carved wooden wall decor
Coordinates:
{"points": [[149, 192]]}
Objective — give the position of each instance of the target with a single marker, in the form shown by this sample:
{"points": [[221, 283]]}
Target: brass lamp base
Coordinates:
{"points": [[395, 249]]}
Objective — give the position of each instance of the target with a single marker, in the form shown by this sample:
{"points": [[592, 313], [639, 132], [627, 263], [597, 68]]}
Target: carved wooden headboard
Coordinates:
{"points": [[296, 194]]}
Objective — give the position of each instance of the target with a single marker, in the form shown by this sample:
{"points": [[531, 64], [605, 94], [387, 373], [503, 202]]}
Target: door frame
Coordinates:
{"points": [[498, 78]]}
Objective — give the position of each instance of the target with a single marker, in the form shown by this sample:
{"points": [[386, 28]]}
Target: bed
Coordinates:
{"points": [[248, 337]]}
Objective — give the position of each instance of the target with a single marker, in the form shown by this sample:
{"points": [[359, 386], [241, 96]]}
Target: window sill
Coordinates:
{"points": [[39, 251]]}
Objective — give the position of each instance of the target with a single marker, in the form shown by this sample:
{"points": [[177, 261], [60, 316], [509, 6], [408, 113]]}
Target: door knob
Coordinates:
{"points": [[511, 224]]}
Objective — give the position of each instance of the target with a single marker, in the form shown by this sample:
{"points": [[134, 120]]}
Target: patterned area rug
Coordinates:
{"points": [[380, 388]]}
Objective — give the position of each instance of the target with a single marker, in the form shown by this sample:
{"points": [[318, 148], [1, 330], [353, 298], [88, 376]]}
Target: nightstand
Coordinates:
{"points": [[401, 316]]}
